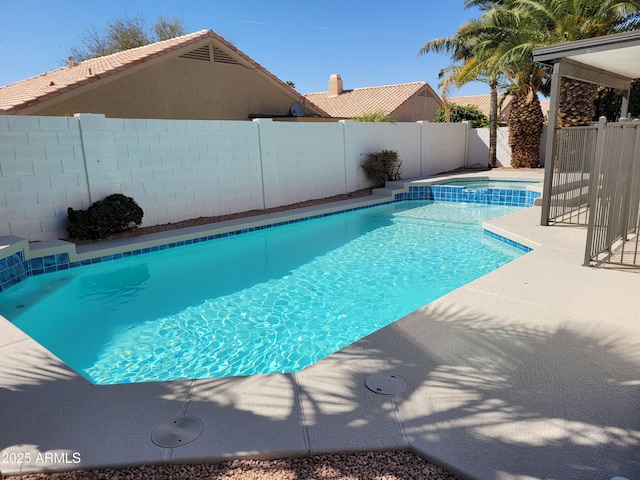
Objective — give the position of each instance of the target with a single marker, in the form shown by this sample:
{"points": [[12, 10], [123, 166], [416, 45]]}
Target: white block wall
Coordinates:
{"points": [[41, 174], [441, 143], [182, 169], [479, 147], [301, 161], [175, 170], [362, 138]]}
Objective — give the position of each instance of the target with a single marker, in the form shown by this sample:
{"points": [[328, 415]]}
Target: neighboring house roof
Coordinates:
{"points": [[17, 97], [483, 104], [360, 101]]}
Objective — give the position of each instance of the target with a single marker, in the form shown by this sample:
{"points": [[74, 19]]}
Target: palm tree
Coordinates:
{"points": [[526, 120], [491, 48], [509, 30], [507, 42], [468, 68], [493, 88], [568, 20]]}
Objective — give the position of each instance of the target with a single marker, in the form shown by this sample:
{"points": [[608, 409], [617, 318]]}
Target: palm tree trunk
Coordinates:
{"points": [[525, 130], [493, 124], [576, 103]]}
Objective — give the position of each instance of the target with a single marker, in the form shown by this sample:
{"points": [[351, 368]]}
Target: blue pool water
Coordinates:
{"points": [[269, 301]]}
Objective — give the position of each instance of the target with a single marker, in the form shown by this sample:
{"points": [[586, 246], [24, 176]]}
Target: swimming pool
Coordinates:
{"points": [[269, 301], [495, 184]]}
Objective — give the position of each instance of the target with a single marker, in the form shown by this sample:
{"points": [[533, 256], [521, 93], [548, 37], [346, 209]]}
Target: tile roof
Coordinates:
{"points": [[23, 94], [483, 103], [359, 101]]}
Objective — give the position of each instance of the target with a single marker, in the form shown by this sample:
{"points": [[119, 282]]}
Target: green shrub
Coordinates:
{"points": [[383, 166], [378, 116], [116, 213], [461, 113]]}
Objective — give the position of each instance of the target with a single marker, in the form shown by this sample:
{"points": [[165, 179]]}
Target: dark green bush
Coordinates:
{"points": [[461, 113], [116, 213], [383, 166], [378, 116]]}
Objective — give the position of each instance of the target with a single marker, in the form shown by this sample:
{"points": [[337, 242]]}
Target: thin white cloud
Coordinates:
{"points": [[334, 29], [254, 22]]}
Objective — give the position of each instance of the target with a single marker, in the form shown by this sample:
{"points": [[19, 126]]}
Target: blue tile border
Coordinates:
{"points": [[461, 194], [508, 241], [14, 269], [47, 264]]}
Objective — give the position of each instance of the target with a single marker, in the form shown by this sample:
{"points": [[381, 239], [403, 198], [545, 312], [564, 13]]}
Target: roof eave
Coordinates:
{"points": [[553, 53], [617, 54]]}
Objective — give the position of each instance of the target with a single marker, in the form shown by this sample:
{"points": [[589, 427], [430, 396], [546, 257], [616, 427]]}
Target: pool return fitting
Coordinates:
{"points": [[385, 383], [177, 432]]}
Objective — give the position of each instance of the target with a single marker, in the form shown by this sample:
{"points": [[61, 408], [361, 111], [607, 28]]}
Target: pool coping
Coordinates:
{"points": [[506, 379]]}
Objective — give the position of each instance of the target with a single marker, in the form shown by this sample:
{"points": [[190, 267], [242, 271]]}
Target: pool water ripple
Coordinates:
{"points": [[308, 296]]}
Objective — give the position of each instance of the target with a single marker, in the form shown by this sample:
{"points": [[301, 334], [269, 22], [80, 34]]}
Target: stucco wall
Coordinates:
{"points": [[417, 108], [180, 88], [182, 169]]}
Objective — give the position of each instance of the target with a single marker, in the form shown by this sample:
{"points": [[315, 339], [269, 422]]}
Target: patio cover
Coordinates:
{"points": [[610, 60], [617, 54]]}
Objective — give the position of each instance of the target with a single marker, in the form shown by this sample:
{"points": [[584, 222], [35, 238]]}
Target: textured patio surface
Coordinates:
{"points": [[530, 372]]}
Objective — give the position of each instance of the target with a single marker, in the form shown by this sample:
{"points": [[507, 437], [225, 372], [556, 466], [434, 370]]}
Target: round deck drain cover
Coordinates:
{"points": [[176, 432], [385, 383]]}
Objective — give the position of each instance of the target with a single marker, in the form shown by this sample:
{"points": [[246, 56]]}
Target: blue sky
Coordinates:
{"points": [[368, 42]]}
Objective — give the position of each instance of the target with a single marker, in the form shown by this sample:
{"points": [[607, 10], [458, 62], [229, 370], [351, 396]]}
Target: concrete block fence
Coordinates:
{"points": [[182, 169], [478, 151]]}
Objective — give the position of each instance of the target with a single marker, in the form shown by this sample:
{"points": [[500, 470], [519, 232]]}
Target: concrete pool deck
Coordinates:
{"points": [[530, 372]]}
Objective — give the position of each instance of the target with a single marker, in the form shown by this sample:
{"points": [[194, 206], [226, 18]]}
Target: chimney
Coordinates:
{"points": [[335, 85]]}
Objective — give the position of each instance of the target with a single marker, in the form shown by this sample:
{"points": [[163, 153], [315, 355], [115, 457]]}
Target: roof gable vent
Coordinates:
{"points": [[221, 56], [201, 53]]}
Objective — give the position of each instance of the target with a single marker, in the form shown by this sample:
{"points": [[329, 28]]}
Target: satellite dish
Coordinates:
{"points": [[297, 110]]}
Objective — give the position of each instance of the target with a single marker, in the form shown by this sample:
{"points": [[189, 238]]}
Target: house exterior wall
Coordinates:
{"points": [[182, 169], [417, 108], [180, 88]]}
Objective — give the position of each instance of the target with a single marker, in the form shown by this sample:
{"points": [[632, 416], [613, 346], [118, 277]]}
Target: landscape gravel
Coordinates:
{"points": [[394, 465], [221, 218]]}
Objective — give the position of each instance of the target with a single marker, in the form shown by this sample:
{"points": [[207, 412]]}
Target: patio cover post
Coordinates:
{"points": [[594, 183], [624, 109], [550, 147]]}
